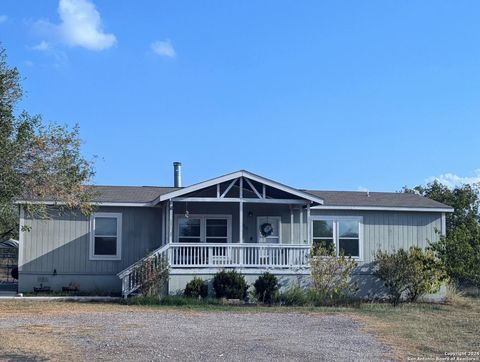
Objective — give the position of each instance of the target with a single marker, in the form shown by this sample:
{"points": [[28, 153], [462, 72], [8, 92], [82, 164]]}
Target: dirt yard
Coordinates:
{"points": [[72, 331], [39, 331]]}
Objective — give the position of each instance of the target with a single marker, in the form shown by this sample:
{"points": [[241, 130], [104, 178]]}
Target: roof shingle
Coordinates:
{"points": [[146, 194]]}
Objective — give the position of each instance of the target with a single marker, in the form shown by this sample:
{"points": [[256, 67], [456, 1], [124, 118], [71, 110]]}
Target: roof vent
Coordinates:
{"points": [[177, 174]]}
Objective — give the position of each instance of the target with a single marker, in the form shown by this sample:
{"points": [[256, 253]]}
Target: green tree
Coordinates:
{"points": [[460, 247], [409, 273], [37, 161]]}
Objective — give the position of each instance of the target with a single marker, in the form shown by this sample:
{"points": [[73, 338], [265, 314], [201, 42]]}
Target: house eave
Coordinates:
{"points": [[113, 204], [383, 208]]}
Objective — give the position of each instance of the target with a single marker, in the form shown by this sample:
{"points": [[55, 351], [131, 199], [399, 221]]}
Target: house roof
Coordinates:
{"points": [[130, 194], [376, 200], [332, 199], [349, 200]]}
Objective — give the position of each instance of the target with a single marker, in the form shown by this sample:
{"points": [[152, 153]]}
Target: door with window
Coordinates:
{"points": [[269, 229], [210, 229]]}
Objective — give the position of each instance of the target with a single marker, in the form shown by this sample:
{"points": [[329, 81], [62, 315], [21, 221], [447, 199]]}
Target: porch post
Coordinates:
{"points": [[309, 231], [240, 211], [170, 221], [291, 224], [164, 225], [301, 225], [240, 220]]}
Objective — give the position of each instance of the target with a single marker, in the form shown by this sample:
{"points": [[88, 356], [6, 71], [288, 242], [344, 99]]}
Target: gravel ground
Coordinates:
{"points": [[200, 336]]}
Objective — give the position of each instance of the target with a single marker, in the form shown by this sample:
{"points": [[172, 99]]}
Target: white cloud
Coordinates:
{"points": [[42, 46], [362, 189], [3, 18], [451, 180], [59, 56], [81, 25], [163, 48]]}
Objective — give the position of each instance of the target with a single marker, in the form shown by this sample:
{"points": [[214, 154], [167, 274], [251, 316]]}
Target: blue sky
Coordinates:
{"points": [[328, 95]]}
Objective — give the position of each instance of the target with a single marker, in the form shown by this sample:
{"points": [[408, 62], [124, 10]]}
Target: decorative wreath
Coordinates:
{"points": [[266, 229]]}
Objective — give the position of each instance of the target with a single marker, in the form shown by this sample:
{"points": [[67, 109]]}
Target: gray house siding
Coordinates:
{"points": [[55, 251], [392, 230]]}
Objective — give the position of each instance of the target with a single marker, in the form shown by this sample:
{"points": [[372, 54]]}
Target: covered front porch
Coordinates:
{"points": [[242, 221]]}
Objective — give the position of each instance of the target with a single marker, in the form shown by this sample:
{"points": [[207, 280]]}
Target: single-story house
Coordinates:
{"points": [[239, 221]]}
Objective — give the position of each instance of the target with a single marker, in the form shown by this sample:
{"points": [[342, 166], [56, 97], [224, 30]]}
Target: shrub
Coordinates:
{"points": [[230, 285], [294, 296], [196, 288], [409, 273], [331, 276], [266, 288], [460, 252], [155, 276]]}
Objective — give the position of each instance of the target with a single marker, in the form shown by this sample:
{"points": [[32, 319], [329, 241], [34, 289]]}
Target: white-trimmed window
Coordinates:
{"points": [[203, 229], [106, 236], [339, 234]]}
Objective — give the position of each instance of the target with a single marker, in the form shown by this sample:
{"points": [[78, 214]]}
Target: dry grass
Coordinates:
{"points": [[36, 342], [415, 330], [28, 307]]}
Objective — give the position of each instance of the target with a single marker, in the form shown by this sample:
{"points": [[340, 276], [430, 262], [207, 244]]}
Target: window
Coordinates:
{"points": [[203, 228], [269, 229], [323, 234], [189, 230], [217, 230], [338, 234], [106, 236]]}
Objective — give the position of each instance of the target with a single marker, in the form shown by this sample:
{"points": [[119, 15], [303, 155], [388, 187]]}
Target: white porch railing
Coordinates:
{"points": [[134, 276], [238, 255], [203, 255]]}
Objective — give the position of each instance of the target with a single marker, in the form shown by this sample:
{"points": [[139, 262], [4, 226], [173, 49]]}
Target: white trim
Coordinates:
{"points": [[234, 181], [240, 213], [118, 204], [259, 236], [203, 226], [21, 239], [309, 228], [278, 201], [291, 224], [444, 224], [170, 222], [237, 199], [241, 270], [336, 236], [118, 255], [302, 240], [253, 188], [236, 175], [382, 208]]}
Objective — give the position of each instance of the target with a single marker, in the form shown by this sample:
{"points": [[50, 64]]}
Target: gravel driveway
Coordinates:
{"points": [[201, 336]]}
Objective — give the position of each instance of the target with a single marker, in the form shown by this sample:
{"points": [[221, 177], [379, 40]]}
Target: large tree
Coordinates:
{"points": [[38, 161], [460, 248]]}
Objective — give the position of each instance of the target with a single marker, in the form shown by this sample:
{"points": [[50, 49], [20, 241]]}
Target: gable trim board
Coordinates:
{"points": [[233, 176], [319, 207], [383, 208]]}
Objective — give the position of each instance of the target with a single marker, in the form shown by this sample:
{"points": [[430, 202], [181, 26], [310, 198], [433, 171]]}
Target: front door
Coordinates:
{"points": [[269, 229]]}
